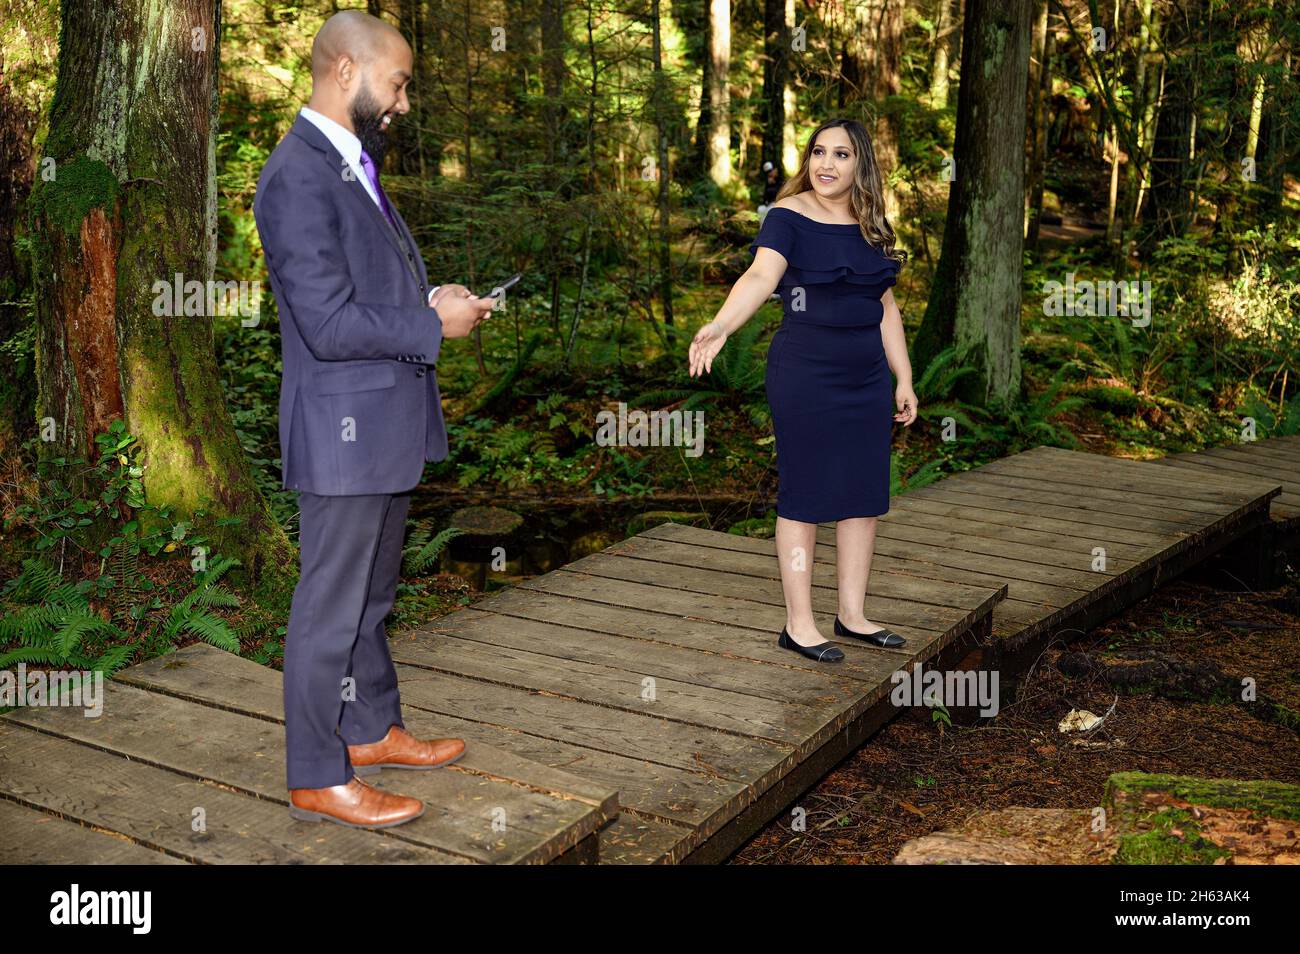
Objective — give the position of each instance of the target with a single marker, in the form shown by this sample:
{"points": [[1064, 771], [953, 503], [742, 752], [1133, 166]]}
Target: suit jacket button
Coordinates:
{"points": [[419, 372]]}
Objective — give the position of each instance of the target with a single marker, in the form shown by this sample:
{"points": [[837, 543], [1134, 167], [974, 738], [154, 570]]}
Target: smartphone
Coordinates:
{"points": [[500, 290]]}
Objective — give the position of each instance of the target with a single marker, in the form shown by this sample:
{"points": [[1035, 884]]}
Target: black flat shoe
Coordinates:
{"points": [[822, 652], [881, 637]]}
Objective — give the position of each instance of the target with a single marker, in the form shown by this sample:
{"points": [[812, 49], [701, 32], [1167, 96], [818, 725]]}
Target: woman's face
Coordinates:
{"points": [[832, 163]]}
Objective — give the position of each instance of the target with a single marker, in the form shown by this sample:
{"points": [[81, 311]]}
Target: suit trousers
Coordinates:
{"points": [[340, 687]]}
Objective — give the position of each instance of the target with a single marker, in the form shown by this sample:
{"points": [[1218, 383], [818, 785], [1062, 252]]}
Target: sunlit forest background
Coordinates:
{"points": [[612, 153]]}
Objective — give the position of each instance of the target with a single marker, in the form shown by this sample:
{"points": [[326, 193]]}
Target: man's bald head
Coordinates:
{"points": [[360, 68], [354, 34]]}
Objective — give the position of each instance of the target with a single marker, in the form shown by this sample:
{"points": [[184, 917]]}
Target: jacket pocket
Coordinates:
{"points": [[350, 380]]}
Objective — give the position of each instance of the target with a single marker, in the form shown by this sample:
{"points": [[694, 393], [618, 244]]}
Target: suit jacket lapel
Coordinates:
{"points": [[307, 130]]}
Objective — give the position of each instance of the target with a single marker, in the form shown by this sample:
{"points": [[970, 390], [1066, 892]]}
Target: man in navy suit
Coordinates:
{"points": [[360, 413]]}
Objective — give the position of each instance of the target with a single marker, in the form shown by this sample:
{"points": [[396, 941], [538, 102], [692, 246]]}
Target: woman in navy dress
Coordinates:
{"points": [[828, 248]]}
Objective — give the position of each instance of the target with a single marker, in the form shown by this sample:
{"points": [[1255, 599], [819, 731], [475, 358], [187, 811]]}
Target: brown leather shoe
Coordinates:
{"points": [[354, 804], [400, 749]]}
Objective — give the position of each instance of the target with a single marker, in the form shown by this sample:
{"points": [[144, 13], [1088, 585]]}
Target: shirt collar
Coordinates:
{"points": [[341, 138]]}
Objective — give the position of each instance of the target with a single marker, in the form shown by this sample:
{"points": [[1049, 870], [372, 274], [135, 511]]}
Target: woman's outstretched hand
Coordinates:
{"points": [[707, 343], [905, 399]]}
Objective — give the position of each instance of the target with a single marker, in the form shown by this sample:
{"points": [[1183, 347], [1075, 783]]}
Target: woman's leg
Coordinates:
{"points": [[855, 543], [795, 542]]}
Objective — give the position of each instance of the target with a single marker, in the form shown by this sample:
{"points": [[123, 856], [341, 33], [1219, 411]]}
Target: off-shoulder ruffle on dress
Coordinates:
{"points": [[828, 381]]}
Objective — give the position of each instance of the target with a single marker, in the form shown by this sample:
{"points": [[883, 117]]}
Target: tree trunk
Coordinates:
{"points": [[719, 58], [661, 94], [875, 48], [1146, 86], [776, 60], [1170, 208], [17, 396], [1040, 82], [975, 299], [134, 202], [943, 37]]}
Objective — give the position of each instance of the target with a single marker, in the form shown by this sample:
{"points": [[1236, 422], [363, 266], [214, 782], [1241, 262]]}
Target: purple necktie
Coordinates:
{"points": [[372, 174]]}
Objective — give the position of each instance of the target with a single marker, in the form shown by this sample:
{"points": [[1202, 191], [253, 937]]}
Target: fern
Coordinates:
{"points": [[421, 551], [53, 631], [207, 626]]}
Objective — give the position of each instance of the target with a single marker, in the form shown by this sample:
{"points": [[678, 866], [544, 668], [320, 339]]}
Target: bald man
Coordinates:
{"points": [[360, 414]]}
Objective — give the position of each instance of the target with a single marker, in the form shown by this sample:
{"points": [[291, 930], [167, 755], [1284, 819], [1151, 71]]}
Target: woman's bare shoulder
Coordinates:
{"points": [[794, 203]]}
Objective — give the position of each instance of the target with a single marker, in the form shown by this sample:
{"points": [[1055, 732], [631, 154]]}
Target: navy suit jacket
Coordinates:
{"points": [[360, 410]]}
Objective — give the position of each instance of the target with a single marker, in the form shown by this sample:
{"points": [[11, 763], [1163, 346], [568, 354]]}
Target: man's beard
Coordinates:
{"points": [[367, 120]]}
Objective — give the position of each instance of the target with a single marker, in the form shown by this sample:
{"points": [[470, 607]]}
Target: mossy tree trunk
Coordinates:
{"points": [[133, 134], [975, 298]]}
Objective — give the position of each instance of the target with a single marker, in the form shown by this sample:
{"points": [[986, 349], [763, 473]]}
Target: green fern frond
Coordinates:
{"points": [[211, 629], [113, 659], [418, 558], [31, 655]]}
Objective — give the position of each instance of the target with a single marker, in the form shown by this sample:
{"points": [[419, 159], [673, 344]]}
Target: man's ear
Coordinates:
{"points": [[346, 70]]}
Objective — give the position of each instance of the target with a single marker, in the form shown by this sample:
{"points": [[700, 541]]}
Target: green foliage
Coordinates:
{"points": [[989, 432], [423, 547], [97, 508], [191, 614], [54, 624], [737, 377]]}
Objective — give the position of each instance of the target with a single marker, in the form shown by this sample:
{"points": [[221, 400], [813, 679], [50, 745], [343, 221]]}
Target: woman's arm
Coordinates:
{"points": [[746, 297], [751, 290], [895, 342]]}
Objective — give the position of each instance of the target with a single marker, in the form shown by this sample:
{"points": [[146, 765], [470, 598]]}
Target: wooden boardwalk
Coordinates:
{"points": [[1274, 459], [199, 734], [643, 681]]}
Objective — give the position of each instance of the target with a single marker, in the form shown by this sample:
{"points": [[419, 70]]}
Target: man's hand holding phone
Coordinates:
{"points": [[459, 310]]}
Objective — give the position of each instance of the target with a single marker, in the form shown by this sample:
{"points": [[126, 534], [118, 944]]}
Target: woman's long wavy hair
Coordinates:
{"points": [[866, 195]]}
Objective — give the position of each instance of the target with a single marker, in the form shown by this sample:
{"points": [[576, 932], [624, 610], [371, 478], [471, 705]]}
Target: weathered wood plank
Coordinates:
{"points": [[950, 490], [247, 755], [582, 772], [670, 630], [209, 676], [743, 713], [31, 837], [158, 809], [886, 556], [763, 564]]}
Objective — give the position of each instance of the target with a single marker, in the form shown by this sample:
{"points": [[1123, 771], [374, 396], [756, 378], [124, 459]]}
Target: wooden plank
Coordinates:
{"points": [[156, 808], [768, 716], [637, 737], [640, 657], [1133, 476], [951, 490], [1027, 497], [1050, 565], [1250, 463], [670, 630], [634, 735], [906, 506], [31, 837], [247, 755], [763, 565], [763, 615], [206, 675], [1282, 453], [1082, 494], [635, 840], [920, 618], [914, 586], [1031, 594], [673, 794]]}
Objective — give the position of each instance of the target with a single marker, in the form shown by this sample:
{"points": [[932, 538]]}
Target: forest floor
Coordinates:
{"points": [[911, 778]]}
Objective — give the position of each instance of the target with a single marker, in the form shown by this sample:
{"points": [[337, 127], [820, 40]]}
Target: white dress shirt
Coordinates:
{"points": [[349, 147]]}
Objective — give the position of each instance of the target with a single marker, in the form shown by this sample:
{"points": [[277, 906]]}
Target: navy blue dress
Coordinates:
{"points": [[828, 380]]}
